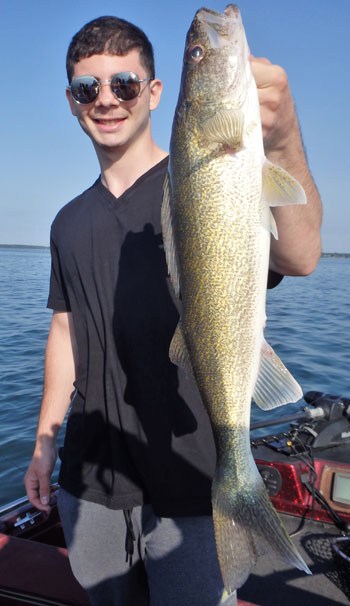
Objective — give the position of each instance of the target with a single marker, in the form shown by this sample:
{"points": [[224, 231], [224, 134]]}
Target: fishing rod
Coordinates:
{"points": [[305, 415], [325, 406]]}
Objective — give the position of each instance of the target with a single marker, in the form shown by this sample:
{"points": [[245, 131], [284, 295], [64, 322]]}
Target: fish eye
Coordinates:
{"points": [[195, 53]]}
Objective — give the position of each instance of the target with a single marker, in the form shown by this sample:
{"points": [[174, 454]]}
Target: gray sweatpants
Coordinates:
{"points": [[174, 561]]}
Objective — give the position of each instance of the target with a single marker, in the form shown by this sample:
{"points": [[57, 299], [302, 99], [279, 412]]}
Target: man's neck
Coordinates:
{"points": [[121, 168]]}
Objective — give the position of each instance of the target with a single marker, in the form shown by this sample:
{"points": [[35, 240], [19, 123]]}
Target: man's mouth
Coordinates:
{"points": [[109, 122]]}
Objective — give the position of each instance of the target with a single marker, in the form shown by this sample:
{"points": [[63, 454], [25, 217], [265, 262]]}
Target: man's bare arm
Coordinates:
{"points": [[60, 362], [298, 248]]}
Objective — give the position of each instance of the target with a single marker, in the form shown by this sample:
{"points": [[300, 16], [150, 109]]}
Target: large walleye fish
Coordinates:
{"points": [[217, 222]]}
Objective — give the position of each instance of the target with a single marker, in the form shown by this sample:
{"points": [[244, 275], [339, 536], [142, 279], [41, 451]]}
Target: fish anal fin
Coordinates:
{"points": [[225, 127], [178, 352], [275, 386], [279, 187], [168, 236]]}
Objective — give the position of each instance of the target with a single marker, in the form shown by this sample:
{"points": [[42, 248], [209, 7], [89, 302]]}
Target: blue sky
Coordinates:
{"points": [[46, 160]]}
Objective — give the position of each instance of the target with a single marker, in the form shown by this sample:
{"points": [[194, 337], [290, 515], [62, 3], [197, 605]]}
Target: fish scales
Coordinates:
{"points": [[218, 254], [216, 226]]}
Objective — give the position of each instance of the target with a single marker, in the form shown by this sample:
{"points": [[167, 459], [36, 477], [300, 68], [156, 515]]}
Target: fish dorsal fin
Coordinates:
{"points": [[279, 187], [275, 385], [226, 127], [168, 236], [178, 352]]}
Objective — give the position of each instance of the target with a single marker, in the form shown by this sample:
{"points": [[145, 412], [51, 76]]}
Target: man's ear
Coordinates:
{"points": [[70, 101], [156, 88]]}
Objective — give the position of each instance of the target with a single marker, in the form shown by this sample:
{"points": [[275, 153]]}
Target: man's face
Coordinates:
{"points": [[112, 124]]}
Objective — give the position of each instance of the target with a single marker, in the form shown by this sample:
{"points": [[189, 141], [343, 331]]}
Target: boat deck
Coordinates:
{"points": [[276, 584]]}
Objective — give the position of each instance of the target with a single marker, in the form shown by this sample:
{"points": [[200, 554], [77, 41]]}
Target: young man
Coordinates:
{"points": [[138, 455]]}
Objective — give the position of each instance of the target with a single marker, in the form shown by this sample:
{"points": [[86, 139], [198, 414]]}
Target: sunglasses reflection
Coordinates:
{"points": [[125, 86]]}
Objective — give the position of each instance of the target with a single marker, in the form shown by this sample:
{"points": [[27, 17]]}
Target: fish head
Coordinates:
{"points": [[215, 59]]}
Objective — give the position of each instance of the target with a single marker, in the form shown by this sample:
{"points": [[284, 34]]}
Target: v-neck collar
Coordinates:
{"points": [[117, 201]]}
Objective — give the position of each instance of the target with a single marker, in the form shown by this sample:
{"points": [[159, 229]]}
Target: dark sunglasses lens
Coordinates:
{"points": [[125, 86], [85, 89]]}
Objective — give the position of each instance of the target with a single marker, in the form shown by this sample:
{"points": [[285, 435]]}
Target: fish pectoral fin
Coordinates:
{"points": [[275, 385], [279, 187], [178, 352], [273, 226], [168, 236], [225, 127]]}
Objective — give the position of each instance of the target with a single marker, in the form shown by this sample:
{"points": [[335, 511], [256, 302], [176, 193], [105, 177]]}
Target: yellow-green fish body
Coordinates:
{"points": [[216, 227]]}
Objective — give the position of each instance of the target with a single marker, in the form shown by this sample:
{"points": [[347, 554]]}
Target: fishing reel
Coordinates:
{"points": [[331, 427]]}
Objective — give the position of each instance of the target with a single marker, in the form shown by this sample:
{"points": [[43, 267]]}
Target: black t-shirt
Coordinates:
{"points": [[137, 431]]}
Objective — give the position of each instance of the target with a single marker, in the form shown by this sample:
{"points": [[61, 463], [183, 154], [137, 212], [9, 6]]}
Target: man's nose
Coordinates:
{"points": [[106, 96]]}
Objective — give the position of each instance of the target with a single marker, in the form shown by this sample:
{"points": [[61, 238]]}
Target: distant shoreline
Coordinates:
{"points": [[23, 246], [323, 256], [335, 255]]}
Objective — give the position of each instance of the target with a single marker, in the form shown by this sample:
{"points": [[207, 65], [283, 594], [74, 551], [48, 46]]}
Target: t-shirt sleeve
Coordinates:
{"points": [[273, 279], [58, 298]]}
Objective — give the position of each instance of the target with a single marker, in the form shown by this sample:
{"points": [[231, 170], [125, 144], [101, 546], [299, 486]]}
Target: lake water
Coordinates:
{"points": [[308, 326]]}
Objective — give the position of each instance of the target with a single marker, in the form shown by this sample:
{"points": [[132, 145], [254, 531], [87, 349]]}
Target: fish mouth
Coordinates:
{"points": [[217, 20], [220, 27]]}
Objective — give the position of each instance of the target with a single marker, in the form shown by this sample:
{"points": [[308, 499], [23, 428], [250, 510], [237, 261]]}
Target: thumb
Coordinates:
{"points": [[44, 490]]}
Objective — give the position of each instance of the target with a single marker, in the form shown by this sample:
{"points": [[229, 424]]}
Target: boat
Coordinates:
{"points": [[306, 470]]}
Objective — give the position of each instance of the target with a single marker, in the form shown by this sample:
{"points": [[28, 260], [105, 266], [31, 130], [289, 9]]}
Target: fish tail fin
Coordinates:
{"points": [[247, 526]]}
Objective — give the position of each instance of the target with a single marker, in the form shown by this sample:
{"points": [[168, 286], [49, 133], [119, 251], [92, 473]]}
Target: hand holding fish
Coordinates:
{"points": [[278, 118]]}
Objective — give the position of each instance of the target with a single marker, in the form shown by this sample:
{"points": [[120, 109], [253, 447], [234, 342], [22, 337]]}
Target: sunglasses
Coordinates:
{"points": [[125, 86]]}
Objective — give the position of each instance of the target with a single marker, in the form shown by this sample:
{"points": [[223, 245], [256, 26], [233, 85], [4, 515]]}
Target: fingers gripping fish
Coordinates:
{"points": [[217, 223]]}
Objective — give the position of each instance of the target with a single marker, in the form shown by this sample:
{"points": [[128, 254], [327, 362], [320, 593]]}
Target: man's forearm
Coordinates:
{"points": [[59, 376], [60, 363], [298, 248]]}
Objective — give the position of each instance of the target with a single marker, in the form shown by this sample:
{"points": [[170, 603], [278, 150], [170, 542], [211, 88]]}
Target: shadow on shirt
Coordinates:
{"points": [[152, 440], [145, 317]]}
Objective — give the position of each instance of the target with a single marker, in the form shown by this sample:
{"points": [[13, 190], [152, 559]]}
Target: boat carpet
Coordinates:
{"points": [[276, 584]]}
